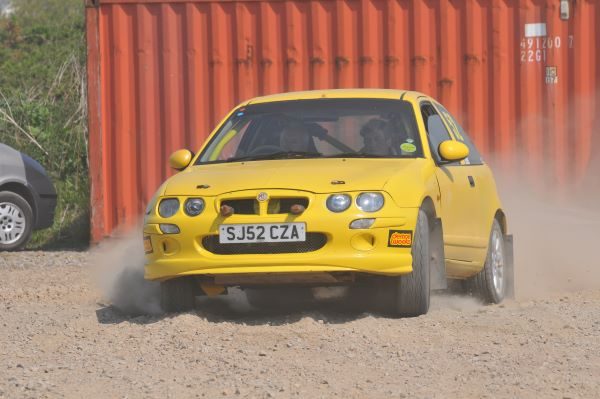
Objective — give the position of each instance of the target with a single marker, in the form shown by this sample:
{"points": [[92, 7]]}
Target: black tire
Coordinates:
{"points": [[279, 298], [179, 294], [413, 290], [414, 294], [483, 284], [7, 221]]}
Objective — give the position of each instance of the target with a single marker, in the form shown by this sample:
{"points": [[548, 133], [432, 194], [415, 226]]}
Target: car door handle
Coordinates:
{"points": [[471, 181]]}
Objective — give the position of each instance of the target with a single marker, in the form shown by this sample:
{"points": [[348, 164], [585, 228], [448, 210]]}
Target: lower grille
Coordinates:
{"points": [[314, 241]]}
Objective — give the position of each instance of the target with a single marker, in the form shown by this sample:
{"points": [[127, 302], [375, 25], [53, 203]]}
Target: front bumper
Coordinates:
{"points": [[345, 250]]}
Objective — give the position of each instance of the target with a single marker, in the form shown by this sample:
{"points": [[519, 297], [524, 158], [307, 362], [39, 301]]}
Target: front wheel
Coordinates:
{"points": [[411, 292], [16, 221], [178, 294], [490, 284]]}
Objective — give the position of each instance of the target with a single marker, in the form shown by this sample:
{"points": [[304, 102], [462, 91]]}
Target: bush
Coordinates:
{"points": [[43, 108]]}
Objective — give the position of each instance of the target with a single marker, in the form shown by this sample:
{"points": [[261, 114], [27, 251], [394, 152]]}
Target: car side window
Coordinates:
{"points": [[436, 131], [474, 157]]}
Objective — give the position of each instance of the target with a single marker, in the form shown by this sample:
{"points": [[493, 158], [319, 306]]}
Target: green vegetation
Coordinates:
{"points": [[43, 105]]}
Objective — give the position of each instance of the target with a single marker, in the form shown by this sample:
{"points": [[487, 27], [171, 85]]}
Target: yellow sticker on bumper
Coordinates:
{"points": [[400, 238]]}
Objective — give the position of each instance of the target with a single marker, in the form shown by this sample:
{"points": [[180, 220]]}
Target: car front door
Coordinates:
{"points": [[460, 202]]}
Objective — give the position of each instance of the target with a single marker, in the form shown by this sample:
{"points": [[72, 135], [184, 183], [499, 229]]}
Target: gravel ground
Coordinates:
{"points": [[59, 338]]}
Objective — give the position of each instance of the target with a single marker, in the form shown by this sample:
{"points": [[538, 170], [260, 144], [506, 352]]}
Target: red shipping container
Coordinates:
{"points": [[523, 76]]}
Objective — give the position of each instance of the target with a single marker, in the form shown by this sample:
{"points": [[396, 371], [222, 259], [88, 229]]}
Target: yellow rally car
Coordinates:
{"points": [[365, 188]]}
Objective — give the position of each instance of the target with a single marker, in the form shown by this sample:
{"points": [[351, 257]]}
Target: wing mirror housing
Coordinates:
{"points": [[180, 159], [452, 150]]}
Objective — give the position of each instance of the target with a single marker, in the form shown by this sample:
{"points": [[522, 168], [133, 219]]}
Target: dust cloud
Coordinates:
{"points": [[118, 270], [556, 232], [118, 266], [456, 302]]}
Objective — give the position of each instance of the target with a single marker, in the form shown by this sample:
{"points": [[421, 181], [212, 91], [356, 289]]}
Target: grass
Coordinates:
{"points": [[43, 106]]}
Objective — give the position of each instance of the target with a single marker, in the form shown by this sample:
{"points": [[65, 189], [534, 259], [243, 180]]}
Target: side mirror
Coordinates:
{"points": [[451, 150], [180, 159]]}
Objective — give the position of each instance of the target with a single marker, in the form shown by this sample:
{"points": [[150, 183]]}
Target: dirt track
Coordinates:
{"points": [[59, 339]]}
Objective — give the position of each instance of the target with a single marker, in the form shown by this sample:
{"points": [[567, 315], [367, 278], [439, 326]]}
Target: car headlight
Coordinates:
{"points": [[338, 202], [194, 206], [369, 202], [168, 207]]}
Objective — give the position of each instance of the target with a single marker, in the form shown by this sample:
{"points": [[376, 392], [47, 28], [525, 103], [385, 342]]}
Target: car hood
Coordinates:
{"points": [[313, 175]]}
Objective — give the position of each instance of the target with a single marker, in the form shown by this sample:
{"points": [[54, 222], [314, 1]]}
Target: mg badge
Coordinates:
{"points": [[262, 197]]}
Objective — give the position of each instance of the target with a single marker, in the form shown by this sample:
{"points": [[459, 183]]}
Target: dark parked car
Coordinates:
{"points": [[27, 198]]}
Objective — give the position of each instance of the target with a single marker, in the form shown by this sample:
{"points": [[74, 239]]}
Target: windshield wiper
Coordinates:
{"points": [[355, 155], [277, 155]]}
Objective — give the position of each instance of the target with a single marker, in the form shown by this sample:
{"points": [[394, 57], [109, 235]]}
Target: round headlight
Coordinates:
{"points": [[338, 202], [168, 207], [194, 206], [369, 202]]}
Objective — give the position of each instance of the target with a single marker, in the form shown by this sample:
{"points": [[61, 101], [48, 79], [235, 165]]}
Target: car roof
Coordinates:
{"points": [[335, 93]]}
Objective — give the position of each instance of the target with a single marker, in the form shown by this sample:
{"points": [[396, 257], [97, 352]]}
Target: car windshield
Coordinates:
{"points": [[320, 128]]}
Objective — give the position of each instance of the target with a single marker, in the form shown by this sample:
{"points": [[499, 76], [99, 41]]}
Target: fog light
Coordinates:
{"points": [[362, 223], [169, 228]]}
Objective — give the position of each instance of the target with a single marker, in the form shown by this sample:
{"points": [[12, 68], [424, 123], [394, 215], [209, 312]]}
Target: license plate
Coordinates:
{"points": [[263, 232]]}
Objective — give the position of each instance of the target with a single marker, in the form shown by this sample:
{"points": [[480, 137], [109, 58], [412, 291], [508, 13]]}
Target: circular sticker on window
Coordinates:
{"points": [[408, 147]]}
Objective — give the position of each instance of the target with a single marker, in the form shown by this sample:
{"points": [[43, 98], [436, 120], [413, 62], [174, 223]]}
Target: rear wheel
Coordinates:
{"points": [[490, 283], [411, 292], [179, 294], [16, 221]]}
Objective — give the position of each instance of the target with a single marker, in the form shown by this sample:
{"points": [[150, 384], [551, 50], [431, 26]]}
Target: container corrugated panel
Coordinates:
{"points": [[163, 73]]}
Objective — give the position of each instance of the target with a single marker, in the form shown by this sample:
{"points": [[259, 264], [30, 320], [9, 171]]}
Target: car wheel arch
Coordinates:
{"points": [[25, 192], [500, 216], [438, 279], [428, 206]]}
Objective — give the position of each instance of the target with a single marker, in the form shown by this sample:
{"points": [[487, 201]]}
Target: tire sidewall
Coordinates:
{"points": [[422, 233], [493, 295], [415, 288], [21, 203]]}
